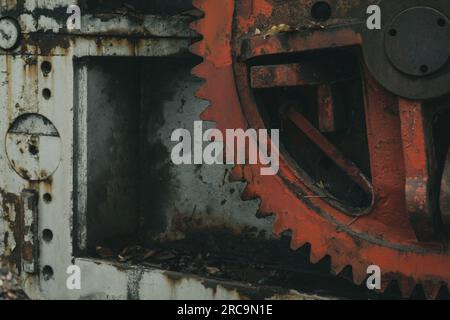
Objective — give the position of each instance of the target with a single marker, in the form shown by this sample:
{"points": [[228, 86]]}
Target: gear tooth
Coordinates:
{"points": [[194, 13], [406, 286], [337, 268], [431, 289], [338, 262], [279, 226], [249, 193], [359, 275], [263, 214], [207, 114], [202, 92], [199, 71], [196, 25], [236, 174], [319, 260], [346, 273], [297, 244], [297, 241], [317, 253], [197, 48], [199, 4], [265, 208], [384, 285]]}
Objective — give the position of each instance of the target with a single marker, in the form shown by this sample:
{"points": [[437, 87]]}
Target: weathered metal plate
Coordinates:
{"points": [[397, 76], [29, 222], [33, 146], [409, 45]]}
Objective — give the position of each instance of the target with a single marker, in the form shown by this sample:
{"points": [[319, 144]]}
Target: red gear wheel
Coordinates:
{"points": [[383, 235]]}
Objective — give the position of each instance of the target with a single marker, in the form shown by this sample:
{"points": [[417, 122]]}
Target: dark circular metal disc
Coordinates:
{"points": [[416, 65], [418, 41]]}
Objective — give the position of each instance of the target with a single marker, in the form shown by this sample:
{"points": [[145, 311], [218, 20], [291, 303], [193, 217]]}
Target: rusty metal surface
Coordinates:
{"points": [[420, 163], [384, 236], [277, 76], [310, 40], [38, 82], [141, 282], [9, 285], [28, 221], [35, 188]]}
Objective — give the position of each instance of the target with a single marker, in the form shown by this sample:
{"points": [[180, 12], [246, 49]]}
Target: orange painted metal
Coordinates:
{"points": [[419, 159], [283, 43], [384, 236], [287, 75]]}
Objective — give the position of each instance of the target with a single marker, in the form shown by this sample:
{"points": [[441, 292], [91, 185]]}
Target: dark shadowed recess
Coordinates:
{"points": [[140, 6]]}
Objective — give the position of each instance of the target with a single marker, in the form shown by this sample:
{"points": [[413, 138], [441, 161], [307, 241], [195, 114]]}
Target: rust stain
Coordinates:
{"points": [[10, 213], [385, 236]]}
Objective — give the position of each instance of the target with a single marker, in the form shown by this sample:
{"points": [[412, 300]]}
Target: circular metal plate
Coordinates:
{"points": [[33, 146], [409, 55], [418, 41]]}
